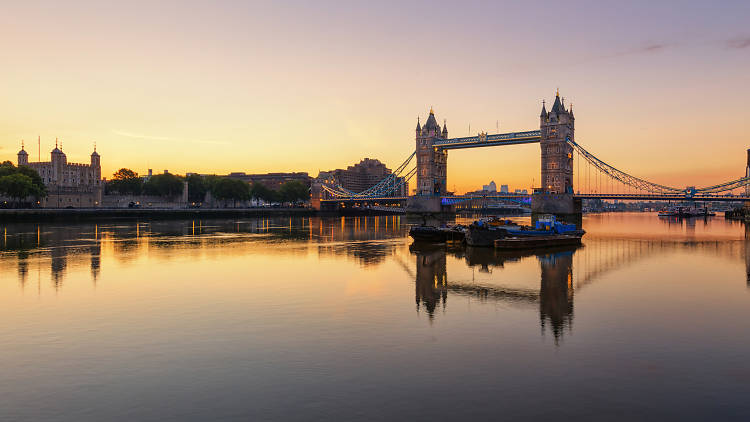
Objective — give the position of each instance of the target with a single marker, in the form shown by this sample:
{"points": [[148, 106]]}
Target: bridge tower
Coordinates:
{"points": [[432, 163], [556, 126], [555, 195]]}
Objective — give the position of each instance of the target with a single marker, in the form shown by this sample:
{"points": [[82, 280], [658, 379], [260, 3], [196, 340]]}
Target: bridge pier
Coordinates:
{"points": [[424, 204], [563, 206]]}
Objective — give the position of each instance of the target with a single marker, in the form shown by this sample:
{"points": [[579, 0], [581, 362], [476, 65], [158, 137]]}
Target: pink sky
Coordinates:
{"points": [[659, 90]]}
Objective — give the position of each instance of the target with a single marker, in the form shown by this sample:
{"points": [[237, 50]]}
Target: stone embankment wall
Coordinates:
{"points": [[83, 214], [143, 201]]}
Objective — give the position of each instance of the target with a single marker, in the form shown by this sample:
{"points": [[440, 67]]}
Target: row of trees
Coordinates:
{"points": [[127, 182], [19, 183]]}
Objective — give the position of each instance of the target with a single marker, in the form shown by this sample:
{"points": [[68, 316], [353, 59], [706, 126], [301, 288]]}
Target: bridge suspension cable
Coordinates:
{"points": [[637, 183], [389, 184], [621, 176]]}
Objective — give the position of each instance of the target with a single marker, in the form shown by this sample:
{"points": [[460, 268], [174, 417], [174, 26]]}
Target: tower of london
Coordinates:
{"points": [[68, 184]]}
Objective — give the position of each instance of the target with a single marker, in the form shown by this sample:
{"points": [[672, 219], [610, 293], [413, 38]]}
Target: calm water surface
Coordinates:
{"points": [[341, 319]]}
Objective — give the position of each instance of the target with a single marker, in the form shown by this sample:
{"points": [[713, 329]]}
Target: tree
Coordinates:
{"points": [[261, 191], [197, 187], [20, 182], [163, 185], [17, 186], [231, 189], [124, 174], [294, 191], [39, 189], [125, 182], [7, 168]]}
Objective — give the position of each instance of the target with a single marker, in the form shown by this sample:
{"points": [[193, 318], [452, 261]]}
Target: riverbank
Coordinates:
{"points": [[86, 214], [81, 214]]}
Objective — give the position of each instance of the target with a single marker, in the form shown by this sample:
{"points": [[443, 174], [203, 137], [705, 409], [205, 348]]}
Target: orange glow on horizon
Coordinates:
{"points": [[320, 93]]}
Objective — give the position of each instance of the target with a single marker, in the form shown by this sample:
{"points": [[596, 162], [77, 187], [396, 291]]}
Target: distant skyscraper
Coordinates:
{"points": [[503, 188], [491, 187]]}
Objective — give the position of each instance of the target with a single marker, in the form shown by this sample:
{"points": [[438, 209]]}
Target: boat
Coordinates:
{"points": [[484, 232], [531, 242], [669, 212], [546, 225], [480, 233], [434, 234], [484, 235], [686, 212]]}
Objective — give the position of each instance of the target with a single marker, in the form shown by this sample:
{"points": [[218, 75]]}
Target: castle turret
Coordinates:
{"points": [[23, 156], [59, 162], [96, 165]]}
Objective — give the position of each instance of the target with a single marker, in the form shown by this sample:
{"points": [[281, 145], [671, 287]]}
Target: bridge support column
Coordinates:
{"points": [[563, 206], [424, 204], [316, 194]]}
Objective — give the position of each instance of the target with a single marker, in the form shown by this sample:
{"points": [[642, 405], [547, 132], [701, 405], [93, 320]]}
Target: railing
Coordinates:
{"points": [[527, 136]]}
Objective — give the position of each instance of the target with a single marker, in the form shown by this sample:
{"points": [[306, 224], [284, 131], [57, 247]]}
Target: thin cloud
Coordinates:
{"points": [[739, 43], [166, 138], [653, 48], [646, 49]]}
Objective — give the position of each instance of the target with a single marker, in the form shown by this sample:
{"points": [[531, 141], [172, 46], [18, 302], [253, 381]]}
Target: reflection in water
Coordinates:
{"points": [[556, 291], [366, 239], [561, 271], [100, 320], [554, 295], [431, 280]]}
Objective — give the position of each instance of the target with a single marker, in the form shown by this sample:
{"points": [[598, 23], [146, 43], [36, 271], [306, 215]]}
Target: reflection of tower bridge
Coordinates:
{"points": [[562, 271], [596, 179]]}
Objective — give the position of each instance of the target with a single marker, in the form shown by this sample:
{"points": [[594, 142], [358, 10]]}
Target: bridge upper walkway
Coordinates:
{"points": [[485, 140]]}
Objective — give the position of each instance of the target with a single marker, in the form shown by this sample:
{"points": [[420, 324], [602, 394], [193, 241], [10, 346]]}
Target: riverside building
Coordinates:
{"points": [[69, 185]]}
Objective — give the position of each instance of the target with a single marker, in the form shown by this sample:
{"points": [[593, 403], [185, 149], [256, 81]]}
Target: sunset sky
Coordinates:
{"points": [[660, 89]]}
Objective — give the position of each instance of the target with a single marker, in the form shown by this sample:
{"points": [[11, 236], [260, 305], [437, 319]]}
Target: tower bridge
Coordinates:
{"points": [[554, 195]]}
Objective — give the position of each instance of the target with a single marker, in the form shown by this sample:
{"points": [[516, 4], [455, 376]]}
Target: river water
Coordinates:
{"points": [[343, 319]]}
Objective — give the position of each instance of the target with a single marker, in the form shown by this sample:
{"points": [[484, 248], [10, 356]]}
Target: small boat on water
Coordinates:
{"points": [[546, 226], [434, 234], [669, 212], [530, 242], [686, 212]]}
